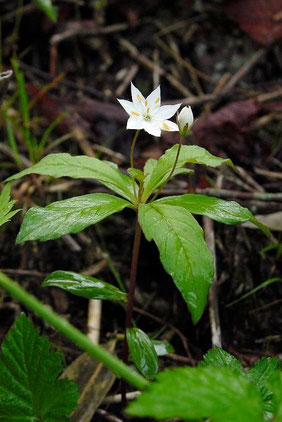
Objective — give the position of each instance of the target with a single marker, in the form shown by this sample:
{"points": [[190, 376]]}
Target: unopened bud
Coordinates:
{"points": [[185, 121]]}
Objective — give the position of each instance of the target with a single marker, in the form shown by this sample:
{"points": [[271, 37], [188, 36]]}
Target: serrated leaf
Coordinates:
{"points": [[228, 212], [275, 385], [29, 389], [47, 7], [158, 172], [84, 285], [6, 205], [80, 167], [162, 347], [218, 358], [142, 352], [260, 374], [183, 251], [68, 216], [195, 393]]}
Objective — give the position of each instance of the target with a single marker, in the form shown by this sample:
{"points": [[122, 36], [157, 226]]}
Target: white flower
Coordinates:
{"points": [[148, 114], [185, 120]]}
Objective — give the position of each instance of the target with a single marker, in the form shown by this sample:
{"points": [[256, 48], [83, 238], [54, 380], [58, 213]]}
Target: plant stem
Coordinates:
{"points": [[62, 325], [130, 304], [171, 172], [132, 148]]}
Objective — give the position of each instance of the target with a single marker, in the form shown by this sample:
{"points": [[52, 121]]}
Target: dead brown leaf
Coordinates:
{"points": [[261, 19]]}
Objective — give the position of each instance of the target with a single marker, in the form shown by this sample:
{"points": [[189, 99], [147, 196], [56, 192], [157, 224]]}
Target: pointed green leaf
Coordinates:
{"points": [[84, 285], [195, 393], [142, 352], [218, 358], [183, 251], [136, 174], [81, 167], [47, 7], [158, 171], [162, 347], [68, 216], [29, 389], [6, 205], [228, 212]]}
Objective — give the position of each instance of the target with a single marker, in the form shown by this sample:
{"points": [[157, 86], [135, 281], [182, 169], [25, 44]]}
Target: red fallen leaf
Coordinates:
{"points": [[224, 129], [261, 19]]}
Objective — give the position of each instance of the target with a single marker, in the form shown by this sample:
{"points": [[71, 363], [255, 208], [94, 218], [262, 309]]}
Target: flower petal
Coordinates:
{"points": [[166, 112], [128, 106], [152, 128], [153, 101], [137, 99], [169, 126], [135, 123]]}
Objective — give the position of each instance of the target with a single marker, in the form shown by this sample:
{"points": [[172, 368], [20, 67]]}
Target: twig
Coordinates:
{"points": [[94, 320], [108, 416], [213, 299], [142, 59], [244, 69], [224, 193], [129, 76], [117, 397], [23, 272]]}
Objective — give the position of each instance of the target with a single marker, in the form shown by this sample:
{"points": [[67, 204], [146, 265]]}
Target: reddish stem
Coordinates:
{"points": [[130, 303]]}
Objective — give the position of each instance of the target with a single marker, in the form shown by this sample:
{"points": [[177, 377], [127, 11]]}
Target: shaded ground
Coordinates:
{"points": [[199, 55]]}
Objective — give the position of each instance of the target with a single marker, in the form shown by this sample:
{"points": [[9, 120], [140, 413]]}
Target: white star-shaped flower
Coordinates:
{"points": [[148, 114]]}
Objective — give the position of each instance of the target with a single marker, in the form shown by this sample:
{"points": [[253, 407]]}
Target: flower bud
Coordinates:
{"points": [[185, 121]]}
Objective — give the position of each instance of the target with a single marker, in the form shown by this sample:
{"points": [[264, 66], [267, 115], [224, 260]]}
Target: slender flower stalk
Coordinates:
{"points": [[171, 172]]}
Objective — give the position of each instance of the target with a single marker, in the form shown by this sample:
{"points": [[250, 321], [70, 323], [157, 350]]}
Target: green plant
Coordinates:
{"points": [[168, 221], [218, 389]]}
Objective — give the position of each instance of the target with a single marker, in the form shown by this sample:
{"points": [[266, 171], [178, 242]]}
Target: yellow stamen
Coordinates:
{"points": [[165, 126], [146, 103], [134, 113], [157, 100], [139, 98]]}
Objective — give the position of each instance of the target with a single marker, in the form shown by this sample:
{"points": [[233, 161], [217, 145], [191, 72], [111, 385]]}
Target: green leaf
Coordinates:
{"points": [[47, 7], [68, 216], [29, 389], [228, 212], [218, 358], [158, 171], [261, 373], [136, 174], [195, 393], [84, 285], [183, 251], [162, 348], [142, 352], [6, 205], [80, 167], [275, 386]]}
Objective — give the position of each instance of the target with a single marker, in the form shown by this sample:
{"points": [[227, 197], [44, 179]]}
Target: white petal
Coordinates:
{"points": [[137, 99], [166, 112], [127, 105], [135, 123], [152, 128], [169, 126], [153, 101], [186, 117]]}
